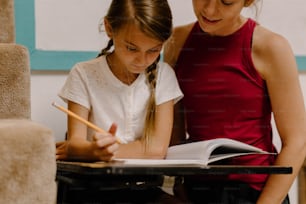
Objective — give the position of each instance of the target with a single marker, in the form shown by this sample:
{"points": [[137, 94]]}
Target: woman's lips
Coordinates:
{"points": [[208, 21]]}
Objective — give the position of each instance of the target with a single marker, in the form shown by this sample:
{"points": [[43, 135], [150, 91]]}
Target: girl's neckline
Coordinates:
{"points": [[120, 75]]}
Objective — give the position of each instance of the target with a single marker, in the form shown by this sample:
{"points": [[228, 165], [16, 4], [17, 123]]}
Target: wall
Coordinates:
{"points": [[57, 29]]}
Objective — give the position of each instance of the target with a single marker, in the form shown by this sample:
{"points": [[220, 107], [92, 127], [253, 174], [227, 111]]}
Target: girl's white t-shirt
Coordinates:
{"points": [[93, 85]]}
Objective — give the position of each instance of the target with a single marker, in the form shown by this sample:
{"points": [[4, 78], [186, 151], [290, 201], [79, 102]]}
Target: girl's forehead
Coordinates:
{"points": [[132, 31], [138, 38]]}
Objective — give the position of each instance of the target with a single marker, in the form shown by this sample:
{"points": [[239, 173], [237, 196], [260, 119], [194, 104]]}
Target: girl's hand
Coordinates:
{"points": [[102, 147], [105, 146], [61, 150]]}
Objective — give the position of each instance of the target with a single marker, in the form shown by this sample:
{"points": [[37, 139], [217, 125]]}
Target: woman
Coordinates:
{"points": [[234, 74]]}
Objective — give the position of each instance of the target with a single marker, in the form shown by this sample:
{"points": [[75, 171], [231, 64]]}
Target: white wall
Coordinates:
{"points": [[78, 30], [44, 88]]}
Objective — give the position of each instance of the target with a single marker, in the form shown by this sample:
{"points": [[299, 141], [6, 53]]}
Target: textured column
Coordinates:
{"points": [[7, 21], [15, 98]]}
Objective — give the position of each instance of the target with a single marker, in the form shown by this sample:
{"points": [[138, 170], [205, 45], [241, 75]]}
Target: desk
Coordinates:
{"points": [[104, 175]]}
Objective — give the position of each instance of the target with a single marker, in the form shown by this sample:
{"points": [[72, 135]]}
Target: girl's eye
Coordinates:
{"points": [[154, 50], [227, 3], [132, 49]]}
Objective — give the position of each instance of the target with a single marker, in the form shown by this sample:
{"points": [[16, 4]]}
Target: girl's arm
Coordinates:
{"points": [[275, 61], [77, 147], [159, 141]]}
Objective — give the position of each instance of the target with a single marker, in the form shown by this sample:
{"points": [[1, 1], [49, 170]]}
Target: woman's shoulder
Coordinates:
{"points": [[267, 40], [176, 42], [183, 30], [269, 48]]}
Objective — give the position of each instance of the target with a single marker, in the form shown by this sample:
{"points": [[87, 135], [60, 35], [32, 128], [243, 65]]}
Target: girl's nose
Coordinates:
{"points": [[142, 58]]}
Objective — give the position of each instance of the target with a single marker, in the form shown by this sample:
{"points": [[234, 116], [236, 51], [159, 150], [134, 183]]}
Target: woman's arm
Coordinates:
{"points": [[179, 125], [159, 141], [175, 43], [275, 61], [171, 52]]}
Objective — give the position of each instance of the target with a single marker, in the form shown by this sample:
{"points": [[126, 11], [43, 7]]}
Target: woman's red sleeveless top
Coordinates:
{"points": [[224, 96]]}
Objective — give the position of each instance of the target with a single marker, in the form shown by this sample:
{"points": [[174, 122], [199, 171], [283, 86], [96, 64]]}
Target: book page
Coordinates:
{"points": [[190, 151], [203, 150]]}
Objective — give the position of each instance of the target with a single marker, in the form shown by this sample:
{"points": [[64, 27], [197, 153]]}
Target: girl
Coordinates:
{"points": [[234, 73], [127, 84]]}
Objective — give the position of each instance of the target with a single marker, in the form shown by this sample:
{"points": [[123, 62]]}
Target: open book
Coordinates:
{"points": [[202, 152]]}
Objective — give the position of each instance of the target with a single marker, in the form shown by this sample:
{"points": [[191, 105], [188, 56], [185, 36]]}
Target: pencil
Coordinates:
{"points": [[89, 124]]}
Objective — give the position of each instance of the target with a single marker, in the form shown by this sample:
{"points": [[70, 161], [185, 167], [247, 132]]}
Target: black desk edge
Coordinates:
{"points": [[116, 168]]}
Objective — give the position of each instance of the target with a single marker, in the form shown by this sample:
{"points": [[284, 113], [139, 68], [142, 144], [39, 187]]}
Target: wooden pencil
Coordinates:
{"points": [[89, 124]]}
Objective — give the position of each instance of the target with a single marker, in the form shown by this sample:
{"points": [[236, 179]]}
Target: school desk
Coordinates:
{"points": [[117, 175]]}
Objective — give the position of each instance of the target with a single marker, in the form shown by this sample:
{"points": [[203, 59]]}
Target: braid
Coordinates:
{"points": [[151, 74], [108, 47]]}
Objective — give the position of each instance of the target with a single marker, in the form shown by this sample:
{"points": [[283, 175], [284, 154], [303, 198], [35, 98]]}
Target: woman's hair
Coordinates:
{"points": [[153, 18]]}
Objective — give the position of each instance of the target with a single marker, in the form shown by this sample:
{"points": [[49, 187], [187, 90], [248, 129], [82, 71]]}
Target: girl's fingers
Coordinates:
{"points": [[60, 157], [103, 142], [61, 150], [99, 136], [106, 152], [58, 144], [113, 129], [113, 148], [61, 153]]}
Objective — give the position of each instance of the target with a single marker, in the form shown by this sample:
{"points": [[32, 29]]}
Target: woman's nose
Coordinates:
{"points": [[210, 8]]}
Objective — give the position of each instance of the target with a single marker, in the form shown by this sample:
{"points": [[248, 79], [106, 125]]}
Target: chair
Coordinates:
{"points": [[27, 150]]}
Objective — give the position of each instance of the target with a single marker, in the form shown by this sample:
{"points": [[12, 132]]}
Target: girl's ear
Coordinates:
{"points": [[108, 28]]}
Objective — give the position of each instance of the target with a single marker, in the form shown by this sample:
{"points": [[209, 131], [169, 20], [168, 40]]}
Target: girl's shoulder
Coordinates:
{"points": [[164, 69], [89, 69], [91, 64]]}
